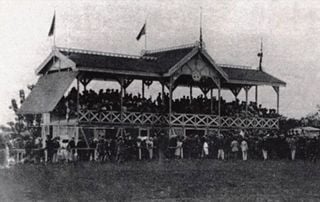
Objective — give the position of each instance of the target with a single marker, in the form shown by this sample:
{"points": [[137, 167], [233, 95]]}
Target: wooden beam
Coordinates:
{"points": [[246, 89], [277, 90]]}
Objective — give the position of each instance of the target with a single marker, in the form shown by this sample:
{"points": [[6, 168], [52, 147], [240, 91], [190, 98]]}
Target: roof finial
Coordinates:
{"points": [[201, 41], [260, 55]]}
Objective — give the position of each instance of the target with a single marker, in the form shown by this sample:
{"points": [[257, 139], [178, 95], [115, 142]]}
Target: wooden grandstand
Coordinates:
{"points": [[188, 65]]}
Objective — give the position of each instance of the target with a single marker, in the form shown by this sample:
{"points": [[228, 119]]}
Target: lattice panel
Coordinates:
{"points": [[181, 120]]}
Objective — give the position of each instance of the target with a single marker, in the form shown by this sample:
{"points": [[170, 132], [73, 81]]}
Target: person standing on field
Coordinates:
{"points": [[234, 148], [220, 145], [293, 146], [244, 149]]}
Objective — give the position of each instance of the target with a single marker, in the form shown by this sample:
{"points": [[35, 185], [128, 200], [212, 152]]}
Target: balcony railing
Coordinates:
{"points": [[177, 120]]}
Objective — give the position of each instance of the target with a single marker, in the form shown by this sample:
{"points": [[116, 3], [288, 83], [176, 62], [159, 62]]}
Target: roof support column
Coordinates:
{"points": [[277, 90], [219, 102], [170, 98], [142, 88], [190, 94], [246, 89], [162, 93], [211, 100], [78, 100], [121, 98], [256, 96]]}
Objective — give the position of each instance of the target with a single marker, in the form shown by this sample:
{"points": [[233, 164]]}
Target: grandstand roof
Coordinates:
{"points": [[157, 63]]}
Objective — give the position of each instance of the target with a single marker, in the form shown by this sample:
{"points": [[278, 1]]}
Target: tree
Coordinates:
{"points": [[23, 125]]}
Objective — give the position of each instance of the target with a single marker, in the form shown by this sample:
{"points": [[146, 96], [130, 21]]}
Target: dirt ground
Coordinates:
{"points": [[174, 180]]}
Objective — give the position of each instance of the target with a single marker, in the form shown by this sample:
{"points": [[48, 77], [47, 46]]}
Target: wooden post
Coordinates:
{"points": [[219, 101], [170, 99], [277, 90], [256, 96], [142, 88], [190, 94], [219, 106], [246, 89], [121, 96], [78, 100], [162, 91], [211, 100]]}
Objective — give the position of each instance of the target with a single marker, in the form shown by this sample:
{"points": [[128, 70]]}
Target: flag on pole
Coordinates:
{"points": [[53, 24], [142, 32]]}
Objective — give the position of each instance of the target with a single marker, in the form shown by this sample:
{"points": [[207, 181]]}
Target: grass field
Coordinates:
{"points": [[174, 180]]}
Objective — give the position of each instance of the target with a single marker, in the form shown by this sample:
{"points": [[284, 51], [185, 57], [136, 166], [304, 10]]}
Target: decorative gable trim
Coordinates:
{"points": [[63, 62]]}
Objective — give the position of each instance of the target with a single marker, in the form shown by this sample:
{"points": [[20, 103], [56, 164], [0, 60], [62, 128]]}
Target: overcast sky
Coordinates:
{"points": [[231, 30]]}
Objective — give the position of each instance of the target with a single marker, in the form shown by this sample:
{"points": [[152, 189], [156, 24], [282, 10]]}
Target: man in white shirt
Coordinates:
{"points": [[244, 149]]}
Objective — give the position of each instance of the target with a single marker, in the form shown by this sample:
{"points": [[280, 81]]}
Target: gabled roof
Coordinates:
{"points": [[250, 76], [150, 62], [155, 63], [47, 92]]}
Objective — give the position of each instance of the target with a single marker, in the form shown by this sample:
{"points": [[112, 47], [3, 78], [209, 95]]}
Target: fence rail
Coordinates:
{"points": [[176, 119]]}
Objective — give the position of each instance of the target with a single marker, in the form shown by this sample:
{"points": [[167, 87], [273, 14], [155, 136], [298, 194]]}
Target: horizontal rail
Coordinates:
{"points": [[176, 119]]}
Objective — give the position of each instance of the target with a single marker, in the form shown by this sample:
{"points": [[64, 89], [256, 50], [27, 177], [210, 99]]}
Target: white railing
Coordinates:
{"points": [[176, 119]]}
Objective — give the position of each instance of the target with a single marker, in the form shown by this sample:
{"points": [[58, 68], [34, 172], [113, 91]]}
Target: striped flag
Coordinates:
{"points": [[142, 32], [53, 24]]}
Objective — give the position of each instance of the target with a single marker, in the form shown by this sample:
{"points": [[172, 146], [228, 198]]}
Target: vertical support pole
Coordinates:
{"points": [[246, 89], [219, 104], [211, 100], [170, 104], [277, 90], [170, 99], [190, 94], [278, 100], [256, 96], [162, 91], [121, 97], [78, 100], [142, 88]]}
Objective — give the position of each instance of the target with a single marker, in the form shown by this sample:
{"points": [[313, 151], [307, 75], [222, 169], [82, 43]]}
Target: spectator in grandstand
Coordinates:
{"points": [[110, 100]]}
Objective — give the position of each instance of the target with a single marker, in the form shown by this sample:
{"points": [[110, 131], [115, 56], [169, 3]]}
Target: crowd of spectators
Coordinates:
{"points": [[228, 145], [109, 99]]}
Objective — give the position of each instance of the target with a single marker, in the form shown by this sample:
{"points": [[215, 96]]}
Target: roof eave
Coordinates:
{"points": [[117, 72], [254, 83]]}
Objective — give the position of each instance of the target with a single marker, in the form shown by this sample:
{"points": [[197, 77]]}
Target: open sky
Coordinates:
{"points": [[231, 30]]}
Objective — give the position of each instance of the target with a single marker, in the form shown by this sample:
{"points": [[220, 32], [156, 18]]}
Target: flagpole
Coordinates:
{"points": [[200, 27], [145, 37], [54, 32]]}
